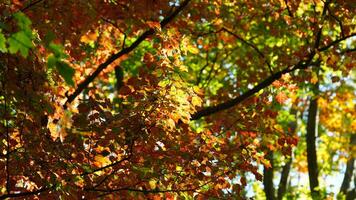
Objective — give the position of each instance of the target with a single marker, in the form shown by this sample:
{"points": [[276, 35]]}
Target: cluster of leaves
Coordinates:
{"points": [[162, 99]]}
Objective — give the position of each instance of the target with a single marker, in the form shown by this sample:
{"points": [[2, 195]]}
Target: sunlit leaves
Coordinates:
{"points": [[101, 160], [89, 37], [196, 101], [140, 138], [281, 97]]}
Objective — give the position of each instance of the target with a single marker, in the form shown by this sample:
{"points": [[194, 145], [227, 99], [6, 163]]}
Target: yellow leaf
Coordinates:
{"points": [[179, 168], [101, 160], [278, 127], [314, 78], [53, 129], [197, 90], [171, 124], [266, 163], [183, 68], [196, 101], [152, 184], [89, 37], [193, 49]]}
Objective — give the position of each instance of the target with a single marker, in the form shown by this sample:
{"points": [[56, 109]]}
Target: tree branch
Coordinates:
{"points": [[22, 194], [124, 51], [288, 9], [265, 83], [303, 64], [336, 42], [250, 45], [30, 5], [139, 190], [106, 166], [155, 191]]}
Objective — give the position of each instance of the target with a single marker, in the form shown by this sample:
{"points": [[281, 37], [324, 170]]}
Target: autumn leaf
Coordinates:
{"points": [[281, 97], [154, 25], [314, 79], [101, 160], [196, 101], [173, 99], [89, 37]]}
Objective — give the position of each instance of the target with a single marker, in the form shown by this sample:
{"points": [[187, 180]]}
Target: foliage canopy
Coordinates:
{"points": [[153, 99]]}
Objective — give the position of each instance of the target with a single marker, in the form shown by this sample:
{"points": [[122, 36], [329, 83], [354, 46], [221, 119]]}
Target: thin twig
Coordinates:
{"points": [[288, 9], [30, 5], [338, 21], [118, 28], [265, 60]]}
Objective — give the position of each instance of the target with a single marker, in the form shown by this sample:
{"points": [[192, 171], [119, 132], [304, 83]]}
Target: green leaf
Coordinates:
{"points": [[24, 39], [2, 43], [14, 46], [23, 21], [49, 37], [66, 72], [3, 26], [51, 61], [20, 42], [58, 50]]}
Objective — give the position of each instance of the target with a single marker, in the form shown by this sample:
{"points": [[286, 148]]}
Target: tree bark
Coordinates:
{"points": [[282, 187], [268, 172], [350, 165], [311, 146], [268, 179], [119, 75]]}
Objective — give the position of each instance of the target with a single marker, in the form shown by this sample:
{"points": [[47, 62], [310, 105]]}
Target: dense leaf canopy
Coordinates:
{"points": [[160, 99]]}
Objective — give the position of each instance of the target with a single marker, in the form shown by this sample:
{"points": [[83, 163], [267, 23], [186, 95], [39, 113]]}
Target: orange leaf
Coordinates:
{"points": [[281, 97]]}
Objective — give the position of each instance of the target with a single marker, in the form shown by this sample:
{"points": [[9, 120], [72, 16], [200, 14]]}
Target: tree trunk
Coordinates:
{"points": [[119, 75], [282, 187], [311, 147], [284, 179], [345, 186], [268, 178]]}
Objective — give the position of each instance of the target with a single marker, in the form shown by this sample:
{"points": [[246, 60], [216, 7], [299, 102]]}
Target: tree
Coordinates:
{"points": [[311, 146], [290, 126], [157, 99]]}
